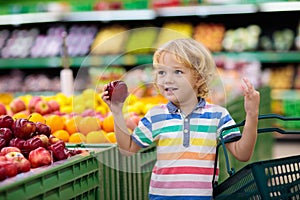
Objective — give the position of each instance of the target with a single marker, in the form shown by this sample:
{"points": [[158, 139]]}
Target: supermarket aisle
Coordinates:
{"points": [[286, 148]]}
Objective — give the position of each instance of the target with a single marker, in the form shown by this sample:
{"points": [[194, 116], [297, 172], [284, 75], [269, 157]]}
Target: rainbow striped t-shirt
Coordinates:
{"points": [[186, 147]]}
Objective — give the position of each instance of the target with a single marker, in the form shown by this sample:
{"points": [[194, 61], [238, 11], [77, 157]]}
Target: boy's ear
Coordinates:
{"points": [[198, 82], [201, 86]]}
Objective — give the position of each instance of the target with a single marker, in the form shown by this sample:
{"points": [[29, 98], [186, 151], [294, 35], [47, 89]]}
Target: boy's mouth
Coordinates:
{"points": [[170, 89]]}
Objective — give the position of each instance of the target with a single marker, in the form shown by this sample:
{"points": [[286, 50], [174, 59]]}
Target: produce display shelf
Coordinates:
{"points": [[279, 6], [285, 94], [74, 178], [110, 15], [24, 18], [264, 57], [82, 61], [205, 10], [123, 177], [30, 63], [131, 59]]}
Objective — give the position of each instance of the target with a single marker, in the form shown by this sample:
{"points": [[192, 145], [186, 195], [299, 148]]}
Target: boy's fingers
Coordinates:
{"points": [[105, 87], [246, 84]]}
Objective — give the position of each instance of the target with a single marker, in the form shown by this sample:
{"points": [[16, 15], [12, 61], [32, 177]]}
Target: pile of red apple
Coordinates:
{"points": [[25, 144], [36, 104]]}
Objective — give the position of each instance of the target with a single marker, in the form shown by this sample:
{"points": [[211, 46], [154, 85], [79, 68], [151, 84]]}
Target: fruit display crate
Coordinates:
{"points": [[122, 177], [78, 177], [107, 158], [135, 173]]}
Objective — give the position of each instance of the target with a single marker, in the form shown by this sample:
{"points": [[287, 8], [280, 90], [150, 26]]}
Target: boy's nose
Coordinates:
{"points": [[169, 78]]}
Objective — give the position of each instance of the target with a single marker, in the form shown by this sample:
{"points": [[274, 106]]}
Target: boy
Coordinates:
{"points": [[187, 128]]}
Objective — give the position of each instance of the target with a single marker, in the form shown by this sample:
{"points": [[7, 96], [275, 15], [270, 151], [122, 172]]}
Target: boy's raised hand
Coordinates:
{"points": [[251, 98]]}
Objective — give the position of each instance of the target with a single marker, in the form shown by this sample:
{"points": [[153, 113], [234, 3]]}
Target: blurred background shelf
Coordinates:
{"points": [[106, 60], [145, 14], [110, 15]]}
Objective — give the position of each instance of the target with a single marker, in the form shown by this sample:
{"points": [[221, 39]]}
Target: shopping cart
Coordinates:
{"points": [[269, 179]]}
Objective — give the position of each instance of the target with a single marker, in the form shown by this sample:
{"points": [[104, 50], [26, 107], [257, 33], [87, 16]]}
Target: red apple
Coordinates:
{"points": [[11, 170], [73, 152], [88, 112], [17, 142], [6, 134], [7, 150], [23, 128], [11, 156], [33, 101], [23, 165], [44, 139], [17, 105], [101, 5], [42, 129], [117, 91], [115, 5], [53, 139], [54, 105], [33, 143], [2, 158], [3, 110], [59, 150], [42, 107], [3, 143], [6, 121], [2, 174], [39, 157]]}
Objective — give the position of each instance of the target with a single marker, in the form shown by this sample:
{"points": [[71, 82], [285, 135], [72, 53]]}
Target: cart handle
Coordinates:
{"points": [[222, 142]]}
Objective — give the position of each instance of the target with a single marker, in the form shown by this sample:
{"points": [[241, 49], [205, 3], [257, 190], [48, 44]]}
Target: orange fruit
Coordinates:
{"points": [[111, 137], [36, 117], [62, 135], [71, 125], [88, 124], [77, 138], [108, 123], [96, 137], [55, 122]]}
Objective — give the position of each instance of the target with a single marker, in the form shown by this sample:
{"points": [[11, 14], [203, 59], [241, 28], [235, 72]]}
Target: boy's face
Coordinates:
{"points": [[175, 81]]}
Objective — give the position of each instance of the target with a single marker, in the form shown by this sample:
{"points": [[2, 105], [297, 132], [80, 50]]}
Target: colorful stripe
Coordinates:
{"points": [[185, 156], [183, 170], [207, 129], [180, 184], [194, 141], [163, 117], [207, 115], [167, 129], [142, 137]]}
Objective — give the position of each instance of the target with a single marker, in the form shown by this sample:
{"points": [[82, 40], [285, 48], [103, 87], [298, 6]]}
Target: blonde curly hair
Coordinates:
{"points": [[193, 55]]}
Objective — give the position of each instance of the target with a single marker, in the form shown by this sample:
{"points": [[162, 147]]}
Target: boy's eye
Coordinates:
{"points": [[161, 72], [178, 72]]}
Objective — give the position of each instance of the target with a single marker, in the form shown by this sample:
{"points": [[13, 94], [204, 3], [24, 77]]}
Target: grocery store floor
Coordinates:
{"points": [[285, 148]]}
